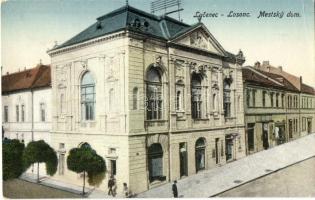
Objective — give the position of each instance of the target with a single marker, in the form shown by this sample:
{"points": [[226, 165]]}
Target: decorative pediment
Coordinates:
{"points": [[200, 38]]}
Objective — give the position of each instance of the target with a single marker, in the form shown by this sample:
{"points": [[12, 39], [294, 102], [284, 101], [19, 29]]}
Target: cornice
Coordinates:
{"points": [[81, 45]]}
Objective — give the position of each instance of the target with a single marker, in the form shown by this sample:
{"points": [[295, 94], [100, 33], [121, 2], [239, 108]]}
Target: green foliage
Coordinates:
{"points": [[12, 152], [40, 151], [85, 159]]}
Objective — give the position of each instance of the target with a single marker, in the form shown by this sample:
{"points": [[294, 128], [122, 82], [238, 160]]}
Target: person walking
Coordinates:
{"points": [[125, 190], [174, 188], [110, 186]]}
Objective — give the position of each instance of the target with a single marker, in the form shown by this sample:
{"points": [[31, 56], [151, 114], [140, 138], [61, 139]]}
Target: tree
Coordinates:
{"points": [[85, 160], [38, 152], [12, 152]]}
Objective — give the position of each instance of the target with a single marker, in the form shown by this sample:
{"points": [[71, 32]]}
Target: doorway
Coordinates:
{"points": [[217, 150], [251, 137], [200, 154], [229, 147], [290, 129], [265, 136], [183, 159], [113, 167], [309, 126]]}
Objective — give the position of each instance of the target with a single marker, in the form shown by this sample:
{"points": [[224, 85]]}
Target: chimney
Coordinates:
{"points": [[8, 73], [257, 64], [265, 63], [301, 80], [280, 68], [24, 68]]}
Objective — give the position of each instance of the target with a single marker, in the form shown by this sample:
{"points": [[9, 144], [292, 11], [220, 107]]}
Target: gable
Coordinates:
{"points": [[199, 38]]}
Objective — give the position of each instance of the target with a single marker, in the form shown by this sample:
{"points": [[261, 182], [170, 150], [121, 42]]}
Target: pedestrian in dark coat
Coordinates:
{"points": [[111, 183], [174, 188]]}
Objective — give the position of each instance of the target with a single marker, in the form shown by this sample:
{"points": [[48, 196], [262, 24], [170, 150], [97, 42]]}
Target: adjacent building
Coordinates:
{"points": [[278, 108], [157, 98], [26, 105]]}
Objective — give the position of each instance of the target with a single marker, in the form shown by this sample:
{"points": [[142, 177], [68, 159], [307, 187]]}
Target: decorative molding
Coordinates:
{"points": [[81, 45]]}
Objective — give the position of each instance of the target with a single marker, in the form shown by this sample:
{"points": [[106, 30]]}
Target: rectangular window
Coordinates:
{"points": [[264, 98], [277, 100], [248, 98], [23, 113], [282, 100], [254, 98], [271, 99], [6, 113], [42, 112], [17, 113]]}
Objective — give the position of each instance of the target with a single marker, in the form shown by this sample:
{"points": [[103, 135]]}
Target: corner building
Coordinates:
{"points": [[157, 98]]}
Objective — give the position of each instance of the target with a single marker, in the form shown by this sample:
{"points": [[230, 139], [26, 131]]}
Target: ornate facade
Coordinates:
{"points": [[157, 98]]}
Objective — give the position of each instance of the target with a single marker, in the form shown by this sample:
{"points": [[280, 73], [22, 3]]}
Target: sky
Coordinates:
{"points": [[30, 27]]}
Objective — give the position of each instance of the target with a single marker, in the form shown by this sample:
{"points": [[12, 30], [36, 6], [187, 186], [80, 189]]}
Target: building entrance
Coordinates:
{"points": [[229, 147], [265, 136], [309, 126], [183, 159]]}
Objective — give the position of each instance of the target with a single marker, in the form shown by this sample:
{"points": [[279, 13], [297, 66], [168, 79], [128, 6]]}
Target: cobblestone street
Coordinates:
{"points": [[295, 181]]}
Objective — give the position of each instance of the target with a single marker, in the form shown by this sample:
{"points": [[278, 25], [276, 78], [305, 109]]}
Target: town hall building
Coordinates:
{"points": [[158, 99]]}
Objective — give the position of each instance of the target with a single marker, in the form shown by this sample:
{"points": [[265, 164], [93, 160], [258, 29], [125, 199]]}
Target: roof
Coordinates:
{"points": [[307, 89], [130, 18], [28, 79], [287, 84], [250, 76]]}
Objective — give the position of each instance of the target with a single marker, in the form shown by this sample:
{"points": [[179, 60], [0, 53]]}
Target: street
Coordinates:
{"points": [[297, 180]]}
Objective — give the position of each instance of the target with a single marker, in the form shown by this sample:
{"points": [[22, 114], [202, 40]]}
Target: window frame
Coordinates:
{"points": [[87, 106], [154, 88]]}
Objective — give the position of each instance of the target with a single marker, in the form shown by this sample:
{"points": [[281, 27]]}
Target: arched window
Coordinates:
{"points": [[196, 96], [155, 159], [87, 97], [227, 99], [200, 154], [135, 98], [154, 94]]}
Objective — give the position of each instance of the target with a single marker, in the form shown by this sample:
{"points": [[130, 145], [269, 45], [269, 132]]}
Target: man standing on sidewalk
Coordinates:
{"points": [[174, 188]]}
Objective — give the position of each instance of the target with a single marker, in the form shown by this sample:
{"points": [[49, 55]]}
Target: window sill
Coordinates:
{"points": [[155, 120], [201, 119]]}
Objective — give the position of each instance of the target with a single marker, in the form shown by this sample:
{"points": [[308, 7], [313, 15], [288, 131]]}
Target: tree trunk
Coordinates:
{"points": [[83, 182], [38, 172]]}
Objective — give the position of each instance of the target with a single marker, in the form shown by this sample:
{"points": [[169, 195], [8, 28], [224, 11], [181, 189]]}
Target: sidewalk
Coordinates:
{"points": [[90, 192], [212, 182]]}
